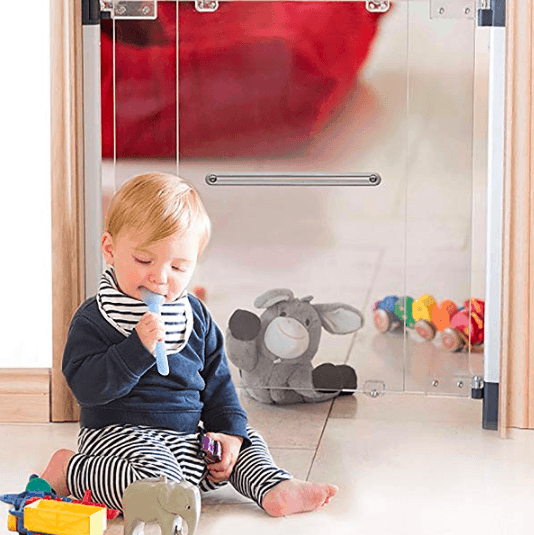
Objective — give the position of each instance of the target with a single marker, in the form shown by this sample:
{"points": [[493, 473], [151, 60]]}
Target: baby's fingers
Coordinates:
{"points": [[218, 475], [153, 322], [223, 469]]}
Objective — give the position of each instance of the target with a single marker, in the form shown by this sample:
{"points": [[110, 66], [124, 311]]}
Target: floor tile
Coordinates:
{"points": [[297, 462], [430, 477], [287, 426], [28, 448]]}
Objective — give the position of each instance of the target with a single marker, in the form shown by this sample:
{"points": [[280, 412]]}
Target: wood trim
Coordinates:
{"points": [[67, 190], [517, 368], [24, 395]]}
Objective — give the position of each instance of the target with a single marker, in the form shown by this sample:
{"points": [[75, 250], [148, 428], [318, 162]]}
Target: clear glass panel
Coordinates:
{"points": [[311, 89], [304, 88], [439, 196]]}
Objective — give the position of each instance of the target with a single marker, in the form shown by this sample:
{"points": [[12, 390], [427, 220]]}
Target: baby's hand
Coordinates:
{"points": [[230, 446], [151, 330]]}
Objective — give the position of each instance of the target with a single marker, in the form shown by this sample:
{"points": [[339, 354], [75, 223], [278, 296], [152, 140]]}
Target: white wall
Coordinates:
{"points": [[25, 217]]}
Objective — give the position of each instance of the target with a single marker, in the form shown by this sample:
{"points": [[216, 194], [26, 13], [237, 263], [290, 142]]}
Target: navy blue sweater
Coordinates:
{"points": [[115, 379]]}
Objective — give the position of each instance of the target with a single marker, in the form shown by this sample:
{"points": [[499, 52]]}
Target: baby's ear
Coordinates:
{"points": [[106, 245]]}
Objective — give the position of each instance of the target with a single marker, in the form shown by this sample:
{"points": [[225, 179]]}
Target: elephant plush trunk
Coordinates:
{"points": [[191, 517]]}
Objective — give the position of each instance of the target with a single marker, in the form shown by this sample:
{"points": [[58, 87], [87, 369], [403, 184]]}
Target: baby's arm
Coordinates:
{"points": [[99, 370], [222, 410]]}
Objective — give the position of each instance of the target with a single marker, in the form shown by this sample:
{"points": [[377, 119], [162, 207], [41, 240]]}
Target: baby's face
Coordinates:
{"points": [[165, 267]]}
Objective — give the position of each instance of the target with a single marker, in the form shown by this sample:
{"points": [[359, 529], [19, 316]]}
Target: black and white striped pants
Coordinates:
{"points": [[111, 458]]}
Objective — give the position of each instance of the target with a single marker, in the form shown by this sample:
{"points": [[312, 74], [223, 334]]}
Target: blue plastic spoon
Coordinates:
{"points": [[154, 302]]}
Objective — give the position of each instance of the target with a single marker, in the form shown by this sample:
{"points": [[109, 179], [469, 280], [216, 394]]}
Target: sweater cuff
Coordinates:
{"points": [[233, 423], [134, 355]]}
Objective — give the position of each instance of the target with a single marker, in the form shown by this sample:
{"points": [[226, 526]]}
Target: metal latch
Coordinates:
{"points": [[477, 388], [130, 9]]}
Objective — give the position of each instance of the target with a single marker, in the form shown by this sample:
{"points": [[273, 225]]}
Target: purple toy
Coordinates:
{"points": [[210, 449]]}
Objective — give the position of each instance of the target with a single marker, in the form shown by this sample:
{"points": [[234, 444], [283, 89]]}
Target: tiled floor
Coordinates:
{"points": [[405, 464]]}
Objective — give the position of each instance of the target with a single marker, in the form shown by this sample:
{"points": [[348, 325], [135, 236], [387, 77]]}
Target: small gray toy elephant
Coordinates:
{"points": [[274, 352], [162, 501]]}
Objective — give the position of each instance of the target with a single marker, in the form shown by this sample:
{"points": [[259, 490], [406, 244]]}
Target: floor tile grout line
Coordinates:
{"points": [[367, 299], [320, 438]]}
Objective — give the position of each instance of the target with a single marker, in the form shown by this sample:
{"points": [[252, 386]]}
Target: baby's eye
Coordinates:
{"points": [[141, 261], [183, 269]]}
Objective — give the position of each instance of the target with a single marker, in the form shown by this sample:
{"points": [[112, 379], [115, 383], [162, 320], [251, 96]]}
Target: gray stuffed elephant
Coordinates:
{"points": [[274, 352], [162, 501]]}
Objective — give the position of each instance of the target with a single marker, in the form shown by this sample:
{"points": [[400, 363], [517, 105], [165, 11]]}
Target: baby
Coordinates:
{"points": [[135, 423]]}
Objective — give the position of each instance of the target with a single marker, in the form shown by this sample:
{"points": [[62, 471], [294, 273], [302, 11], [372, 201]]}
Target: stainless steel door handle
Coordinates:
{"points": [[255, 179]]}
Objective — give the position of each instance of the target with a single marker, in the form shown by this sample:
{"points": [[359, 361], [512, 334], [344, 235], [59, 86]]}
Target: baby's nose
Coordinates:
{"points": [[159, 276]]}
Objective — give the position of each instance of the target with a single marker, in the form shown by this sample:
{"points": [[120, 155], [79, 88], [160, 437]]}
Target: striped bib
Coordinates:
{"points": [[124, 312]]}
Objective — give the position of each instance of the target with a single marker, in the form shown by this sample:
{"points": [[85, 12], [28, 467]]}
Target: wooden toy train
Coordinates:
{"points": [[458, 327]]}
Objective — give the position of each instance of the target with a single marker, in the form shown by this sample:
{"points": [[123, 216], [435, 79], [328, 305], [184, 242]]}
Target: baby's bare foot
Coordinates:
{"points": [[295, 496], [56, 471]]}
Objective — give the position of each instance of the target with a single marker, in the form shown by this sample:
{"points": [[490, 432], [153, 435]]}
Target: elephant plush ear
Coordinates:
{"points": [[339, 318], [271, 297]]}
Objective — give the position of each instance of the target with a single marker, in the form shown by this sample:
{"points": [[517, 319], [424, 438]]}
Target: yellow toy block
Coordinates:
{"points": [[11, 522], [422, 308], [64, 518]]}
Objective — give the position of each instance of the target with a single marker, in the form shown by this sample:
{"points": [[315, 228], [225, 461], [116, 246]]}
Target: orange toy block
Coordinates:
{"points": [[443, 313]]}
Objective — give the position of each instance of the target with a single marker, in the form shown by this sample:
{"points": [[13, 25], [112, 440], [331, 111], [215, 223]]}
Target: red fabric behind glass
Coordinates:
{"points": [[256, 78]]}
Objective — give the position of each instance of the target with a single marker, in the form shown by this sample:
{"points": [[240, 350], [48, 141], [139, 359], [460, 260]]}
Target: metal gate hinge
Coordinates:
{"points": [[452, 9], [374, 389], [130, 9], [377, 6], [206, 6]]}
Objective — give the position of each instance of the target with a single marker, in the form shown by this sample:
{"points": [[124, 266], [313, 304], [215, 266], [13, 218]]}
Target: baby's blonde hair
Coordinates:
{"points": [[158, 205]]}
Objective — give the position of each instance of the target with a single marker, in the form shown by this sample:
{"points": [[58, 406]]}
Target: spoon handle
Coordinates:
{"points": [[161, 357]]}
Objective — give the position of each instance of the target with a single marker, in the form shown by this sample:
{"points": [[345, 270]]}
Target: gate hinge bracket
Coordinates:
{"points": [[452, 9], [129, 9]]}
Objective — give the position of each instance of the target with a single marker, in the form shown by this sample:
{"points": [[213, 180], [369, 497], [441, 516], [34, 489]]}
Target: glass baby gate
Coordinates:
{"points": [[340, 149]]}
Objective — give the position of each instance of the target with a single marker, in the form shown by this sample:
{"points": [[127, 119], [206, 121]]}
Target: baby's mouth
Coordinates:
{"points": [[140, 293]]}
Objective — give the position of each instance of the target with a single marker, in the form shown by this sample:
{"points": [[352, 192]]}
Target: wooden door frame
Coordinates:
{"points": [[516, 400], [67, 191], [516, 405]]}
